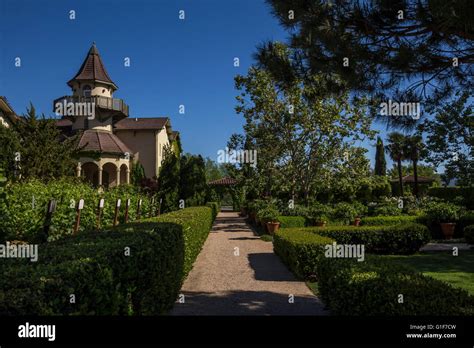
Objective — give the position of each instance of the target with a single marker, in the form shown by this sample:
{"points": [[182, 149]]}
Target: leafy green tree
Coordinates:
{"points": [[44, 152], [450, 139], [380, 163], [298, 137], [395, 148], [387, 42], [169, 181], [193, 185], [422, 169], [9, 145], [137, 174]]}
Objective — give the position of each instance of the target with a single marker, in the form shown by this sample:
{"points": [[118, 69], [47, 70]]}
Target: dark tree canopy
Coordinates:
{"points": [[380, 162], [406, 49]]}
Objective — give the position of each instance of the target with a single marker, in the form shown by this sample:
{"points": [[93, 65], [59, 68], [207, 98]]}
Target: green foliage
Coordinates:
{"points": [[388, 220], [344, 212], [193, 185], [469, 234], [300, 251], [452, 193], [268, 214], [443, 212], [137, 174], [215, 207], [330, 127], [10, 144], [169, 181], [44, 153], [319, 213], [373, 188], [95, 267], [25, 204], [291, 221], [373, 287], [380, 162], [395, 239], [449, 138], [196, 222], [390, 209]]}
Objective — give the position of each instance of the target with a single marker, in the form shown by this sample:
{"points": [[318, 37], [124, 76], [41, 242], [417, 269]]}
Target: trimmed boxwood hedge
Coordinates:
{"points": [[292, 221], [388, 220], [216, 208], [300, 250], [105, 280], [373, 287], [469, 234], [395, 239]]}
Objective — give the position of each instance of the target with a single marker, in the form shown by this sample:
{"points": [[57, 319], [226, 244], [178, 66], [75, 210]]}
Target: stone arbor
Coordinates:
{"points": [[107, 171]]}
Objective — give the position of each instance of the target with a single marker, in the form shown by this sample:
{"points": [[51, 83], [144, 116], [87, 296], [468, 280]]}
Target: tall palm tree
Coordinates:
{"points": [[413, 150], [396, 150]]}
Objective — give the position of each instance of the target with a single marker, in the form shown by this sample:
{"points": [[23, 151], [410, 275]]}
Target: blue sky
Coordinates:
{"points": [[173, 61]]}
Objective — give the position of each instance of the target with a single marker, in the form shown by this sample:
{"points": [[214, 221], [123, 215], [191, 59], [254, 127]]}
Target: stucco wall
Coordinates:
{"points": [[142, 142]]}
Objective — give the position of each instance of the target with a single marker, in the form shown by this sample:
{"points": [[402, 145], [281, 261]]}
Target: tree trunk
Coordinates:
{"points": [[415, 174], [400, 176]]}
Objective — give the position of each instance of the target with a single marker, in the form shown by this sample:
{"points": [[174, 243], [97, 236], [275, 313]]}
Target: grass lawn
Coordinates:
{"points": [[456, 270]]}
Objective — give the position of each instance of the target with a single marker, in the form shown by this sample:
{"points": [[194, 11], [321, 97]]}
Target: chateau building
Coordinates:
{"points": [[110, 140]]}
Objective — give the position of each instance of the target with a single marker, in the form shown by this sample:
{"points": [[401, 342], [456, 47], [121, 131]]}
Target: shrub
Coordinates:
{"points": [[23, 215], [469, 234], [387, 210], [345, 212], [215, 207], [105, 280], [300, 250], [292, 221], [388, 220], [318, 212], [438, 212], [450, 194], [268, 214], [396, 239], [372, 287]]}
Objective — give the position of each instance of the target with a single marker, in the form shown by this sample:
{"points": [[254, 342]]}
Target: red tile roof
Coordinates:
{"points": [[223, 181], [102, 141], [63, 123], [141, 123], [93, 69]]}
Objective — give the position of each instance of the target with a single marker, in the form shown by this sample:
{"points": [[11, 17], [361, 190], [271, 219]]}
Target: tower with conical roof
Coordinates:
{"points": [[92, 111]]}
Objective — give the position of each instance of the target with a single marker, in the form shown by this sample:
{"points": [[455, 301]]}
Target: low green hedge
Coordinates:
{"points": [[216, 208], [300, 250], [396, 239], [388, 220], [292, 221], [372, 288], [104, 278], [469, 234]]}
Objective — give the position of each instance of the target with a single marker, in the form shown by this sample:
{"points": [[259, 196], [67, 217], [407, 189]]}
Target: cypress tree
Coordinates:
{"points": [[380, 163]]}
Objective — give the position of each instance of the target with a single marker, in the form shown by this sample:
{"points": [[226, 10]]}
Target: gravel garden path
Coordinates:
{"points": [[237, 273]]}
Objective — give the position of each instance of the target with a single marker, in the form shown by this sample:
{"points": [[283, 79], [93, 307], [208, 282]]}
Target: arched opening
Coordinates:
{"points": [[123, 174], [109, 175], [90, 171]]}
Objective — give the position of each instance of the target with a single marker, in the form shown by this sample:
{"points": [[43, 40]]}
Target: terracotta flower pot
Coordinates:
{"points": [[272, 227], [357, 222], [448, 229]]}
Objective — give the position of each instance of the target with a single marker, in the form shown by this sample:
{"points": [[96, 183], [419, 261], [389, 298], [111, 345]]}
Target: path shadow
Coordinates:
{"points": [[268, 267], [247, 303]]}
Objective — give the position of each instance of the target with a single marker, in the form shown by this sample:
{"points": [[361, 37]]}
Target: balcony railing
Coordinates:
{"points": [[105, 103]]}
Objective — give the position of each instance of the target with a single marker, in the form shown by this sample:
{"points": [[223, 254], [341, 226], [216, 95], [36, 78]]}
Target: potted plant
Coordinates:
{"points": [[318, 214], [269, 218], [446, 214], [357, 221], [320, 220]]}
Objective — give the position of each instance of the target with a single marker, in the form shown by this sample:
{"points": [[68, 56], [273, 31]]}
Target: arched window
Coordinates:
{"points": [[86, 91]]}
